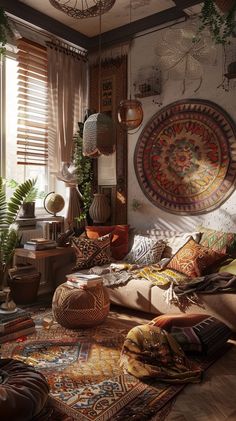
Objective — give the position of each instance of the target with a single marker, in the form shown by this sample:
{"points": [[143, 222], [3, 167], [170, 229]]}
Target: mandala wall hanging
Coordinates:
{"points": [[185, 158]]}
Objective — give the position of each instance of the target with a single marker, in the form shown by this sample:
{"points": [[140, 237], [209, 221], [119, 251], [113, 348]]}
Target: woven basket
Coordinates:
{"points": [[74, 308]]}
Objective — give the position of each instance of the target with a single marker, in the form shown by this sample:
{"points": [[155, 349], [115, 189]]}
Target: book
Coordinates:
{"points": [[44, 246], [89, 284], [9, 316], [18, 325], [40, 241], [84, 277], [79, 280], [14, 335]]}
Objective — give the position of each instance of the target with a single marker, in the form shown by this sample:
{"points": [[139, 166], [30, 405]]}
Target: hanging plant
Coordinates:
{"points": [[221, 25], [5, 30], [83, 166]]}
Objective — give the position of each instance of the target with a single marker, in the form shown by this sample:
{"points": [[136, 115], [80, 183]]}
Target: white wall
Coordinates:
{"points": [[143, 51]]}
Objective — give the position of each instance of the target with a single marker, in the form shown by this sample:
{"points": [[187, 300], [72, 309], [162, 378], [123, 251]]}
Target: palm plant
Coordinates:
{"points": [[8, 228]]}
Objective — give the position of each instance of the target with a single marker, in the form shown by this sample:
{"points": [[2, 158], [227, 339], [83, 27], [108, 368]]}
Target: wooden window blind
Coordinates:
{"points": [[32, 119]]}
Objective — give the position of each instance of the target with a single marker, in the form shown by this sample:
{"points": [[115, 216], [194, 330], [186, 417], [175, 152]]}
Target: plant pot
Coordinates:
{"points": [[28, 210], [224, 5], [100, 209], [24, 290]]}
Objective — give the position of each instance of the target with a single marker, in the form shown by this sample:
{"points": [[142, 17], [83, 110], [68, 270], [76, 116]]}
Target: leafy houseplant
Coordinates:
{"points": [[8, 228], [28, 205], [84, 173], [4, 31], [221, 25]]}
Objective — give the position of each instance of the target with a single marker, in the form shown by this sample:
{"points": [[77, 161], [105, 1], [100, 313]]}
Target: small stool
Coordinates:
{"points": [[74, 307]]}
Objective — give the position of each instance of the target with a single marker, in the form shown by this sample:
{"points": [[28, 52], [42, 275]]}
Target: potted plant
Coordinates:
{"points": [[219, 17], [28, 205], [8, 227], [4, 31]]}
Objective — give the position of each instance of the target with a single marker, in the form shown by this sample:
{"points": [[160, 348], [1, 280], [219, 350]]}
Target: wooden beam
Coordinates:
{"points": [[184, 4], [45, 22]]}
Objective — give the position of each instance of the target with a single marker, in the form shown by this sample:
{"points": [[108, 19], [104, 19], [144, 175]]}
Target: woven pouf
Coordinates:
{"points": [[77, 307], [23, 391]]}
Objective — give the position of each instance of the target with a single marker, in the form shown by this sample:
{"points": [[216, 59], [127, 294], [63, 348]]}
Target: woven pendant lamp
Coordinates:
{"points": [[99, 135]]}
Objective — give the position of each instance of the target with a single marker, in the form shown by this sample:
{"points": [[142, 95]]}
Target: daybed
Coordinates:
{"points": [[142, 294]]}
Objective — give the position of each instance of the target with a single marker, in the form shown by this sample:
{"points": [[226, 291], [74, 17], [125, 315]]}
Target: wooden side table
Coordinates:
{"points": [[58, 257]]}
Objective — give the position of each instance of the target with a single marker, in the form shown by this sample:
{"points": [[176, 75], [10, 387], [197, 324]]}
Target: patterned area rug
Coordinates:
{"points": [[83, 371]]}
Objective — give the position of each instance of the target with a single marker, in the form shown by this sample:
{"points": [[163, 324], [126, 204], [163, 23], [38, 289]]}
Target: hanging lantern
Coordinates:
{"points": [[99, 136], [130, 114]]}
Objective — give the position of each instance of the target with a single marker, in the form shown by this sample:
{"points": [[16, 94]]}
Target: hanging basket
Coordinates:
{"points": [[224, 5]]}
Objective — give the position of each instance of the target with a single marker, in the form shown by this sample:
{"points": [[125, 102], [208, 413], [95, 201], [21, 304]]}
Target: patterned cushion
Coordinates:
{"points": [[193, 259], [91, 252], [145, 251], [195, 332], [119, 238], [222, 242]]}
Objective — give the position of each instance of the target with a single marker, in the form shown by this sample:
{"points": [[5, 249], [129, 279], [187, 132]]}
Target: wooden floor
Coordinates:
{"points": [[212, 400]]}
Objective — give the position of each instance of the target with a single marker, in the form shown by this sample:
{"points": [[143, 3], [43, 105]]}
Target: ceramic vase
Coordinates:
{"points": [[100, 209]]}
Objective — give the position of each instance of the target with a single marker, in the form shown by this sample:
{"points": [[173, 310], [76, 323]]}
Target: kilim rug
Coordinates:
{"points": [[83, 371]]}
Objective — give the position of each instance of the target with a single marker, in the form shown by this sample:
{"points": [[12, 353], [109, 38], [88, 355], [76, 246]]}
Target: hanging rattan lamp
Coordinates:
{"points": [[130, 111], [81, 9], [99, 135]]}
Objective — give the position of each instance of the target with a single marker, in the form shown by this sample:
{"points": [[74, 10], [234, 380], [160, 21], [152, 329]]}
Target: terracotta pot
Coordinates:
{"points": [[224, 5]]}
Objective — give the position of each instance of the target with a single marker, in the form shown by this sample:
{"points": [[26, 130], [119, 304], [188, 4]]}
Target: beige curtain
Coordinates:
{"points": [[68, 90]]}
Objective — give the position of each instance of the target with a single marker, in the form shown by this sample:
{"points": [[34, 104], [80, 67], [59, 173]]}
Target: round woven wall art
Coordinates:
{"points": [[185, 158]]}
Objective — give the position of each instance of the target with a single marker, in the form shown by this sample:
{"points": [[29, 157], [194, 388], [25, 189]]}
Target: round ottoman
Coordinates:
{"points": [[23, 391], [77, 307]]}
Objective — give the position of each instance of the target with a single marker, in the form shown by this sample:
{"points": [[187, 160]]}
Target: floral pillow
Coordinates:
{"points": [[145, 251], [91, 252], [194, 260]]}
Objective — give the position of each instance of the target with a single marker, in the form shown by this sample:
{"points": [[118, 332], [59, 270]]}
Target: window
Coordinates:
{"points": [[24, 111]]}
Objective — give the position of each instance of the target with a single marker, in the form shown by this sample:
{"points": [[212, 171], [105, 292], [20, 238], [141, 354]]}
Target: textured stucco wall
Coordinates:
{"points": [[143, 51]]}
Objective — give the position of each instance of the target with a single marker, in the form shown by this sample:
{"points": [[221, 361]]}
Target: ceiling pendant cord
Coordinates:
{"points": [[100, 60]]}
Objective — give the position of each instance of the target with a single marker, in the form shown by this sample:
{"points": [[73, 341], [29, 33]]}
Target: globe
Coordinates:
{"points": [[54, 203]]}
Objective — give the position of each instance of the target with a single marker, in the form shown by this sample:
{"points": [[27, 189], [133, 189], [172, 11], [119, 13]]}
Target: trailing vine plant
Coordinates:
{"points": [[5, 30], [83, 166], [221, 25]]}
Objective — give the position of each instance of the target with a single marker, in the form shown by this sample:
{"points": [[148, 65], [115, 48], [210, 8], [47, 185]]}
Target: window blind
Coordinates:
{"points": [[32, 119]]}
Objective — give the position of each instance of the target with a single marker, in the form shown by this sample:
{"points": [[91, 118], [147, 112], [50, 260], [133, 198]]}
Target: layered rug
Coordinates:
{"points": [[83, 371]]}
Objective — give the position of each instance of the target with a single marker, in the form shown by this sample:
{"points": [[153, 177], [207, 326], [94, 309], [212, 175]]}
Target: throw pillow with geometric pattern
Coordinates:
{"points": [[91, 252], [223, 242], [145, 251]]}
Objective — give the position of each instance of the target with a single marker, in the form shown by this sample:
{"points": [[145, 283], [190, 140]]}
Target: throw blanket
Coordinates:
{"points": [[114, 274], [150, 352], [209, 284]]}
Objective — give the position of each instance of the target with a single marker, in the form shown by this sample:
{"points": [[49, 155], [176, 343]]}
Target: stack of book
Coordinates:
{"points": [[82, 280], [40, 244], [15, 324]]}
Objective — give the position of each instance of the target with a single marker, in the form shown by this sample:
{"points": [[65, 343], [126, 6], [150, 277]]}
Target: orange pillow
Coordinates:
{"points": [[193, 259], [119, 239]]}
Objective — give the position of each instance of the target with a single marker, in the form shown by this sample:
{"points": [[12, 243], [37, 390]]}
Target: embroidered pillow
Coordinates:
{"points": [[91, 252], [145, 251], [119, 238], [193, 259], [222, 242], [195, 332]]}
